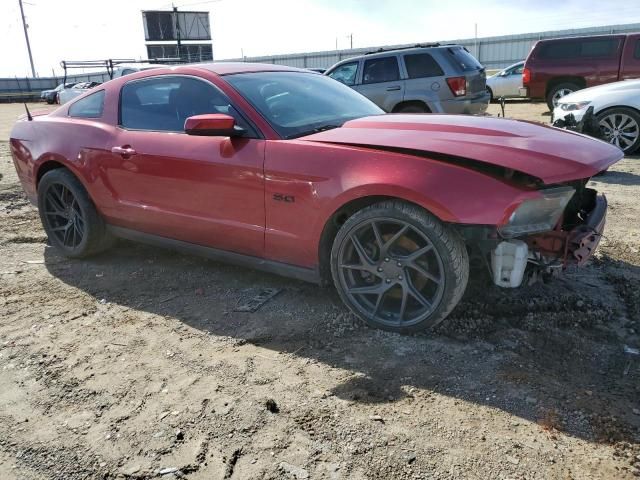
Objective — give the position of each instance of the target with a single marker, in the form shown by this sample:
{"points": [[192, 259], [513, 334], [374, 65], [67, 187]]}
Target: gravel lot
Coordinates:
{"points": [[135, 364]]}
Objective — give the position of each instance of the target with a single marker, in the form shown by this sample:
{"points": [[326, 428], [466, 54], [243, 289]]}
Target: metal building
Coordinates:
{"points": [[492, 52]]}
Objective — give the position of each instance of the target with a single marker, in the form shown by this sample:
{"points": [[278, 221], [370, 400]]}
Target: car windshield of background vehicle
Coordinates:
{"points": [[297, 104], [464, 59]]}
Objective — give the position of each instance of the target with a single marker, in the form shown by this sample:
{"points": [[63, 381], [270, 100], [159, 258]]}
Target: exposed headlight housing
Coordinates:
{"points": [[572, 107], [538, 214]]}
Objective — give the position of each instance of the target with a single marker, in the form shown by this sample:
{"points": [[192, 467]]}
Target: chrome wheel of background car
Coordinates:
{"points": [[391, 272], [63, 215], [620, 130], [559, 94]]}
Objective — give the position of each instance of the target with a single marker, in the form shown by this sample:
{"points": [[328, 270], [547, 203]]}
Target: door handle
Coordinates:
{"points": [[125, 151], [391, 89]]}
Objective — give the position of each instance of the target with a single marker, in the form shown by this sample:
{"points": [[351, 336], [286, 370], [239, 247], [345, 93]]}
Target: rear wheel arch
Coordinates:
{"points": [[47, 166], [577, 80], [409, 104]]}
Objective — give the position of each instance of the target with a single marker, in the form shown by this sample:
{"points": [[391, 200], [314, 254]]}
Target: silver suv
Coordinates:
{"points": [[425, 78]]}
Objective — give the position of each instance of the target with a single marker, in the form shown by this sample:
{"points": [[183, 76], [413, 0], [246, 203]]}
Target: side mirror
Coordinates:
{"points": [[212, 125], [504, 74]]}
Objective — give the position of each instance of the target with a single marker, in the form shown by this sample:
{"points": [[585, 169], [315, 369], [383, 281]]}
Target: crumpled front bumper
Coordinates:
{"points": [[576, 246]]}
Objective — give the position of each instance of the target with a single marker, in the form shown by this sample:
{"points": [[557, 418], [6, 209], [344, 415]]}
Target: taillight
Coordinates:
{"points": [[458, 86], [526, 76]]}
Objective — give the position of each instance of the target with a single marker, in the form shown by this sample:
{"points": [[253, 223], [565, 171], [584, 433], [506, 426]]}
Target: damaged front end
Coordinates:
{"points": [[544, 236]]}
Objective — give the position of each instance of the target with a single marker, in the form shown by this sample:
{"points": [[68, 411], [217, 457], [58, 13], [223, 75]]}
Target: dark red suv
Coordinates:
{"points": [[557, 67]]}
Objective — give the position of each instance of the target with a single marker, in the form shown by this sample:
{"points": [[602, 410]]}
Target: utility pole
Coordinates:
{"points": [[175, 13], [26, 36], [476, 42], [351, 39]]}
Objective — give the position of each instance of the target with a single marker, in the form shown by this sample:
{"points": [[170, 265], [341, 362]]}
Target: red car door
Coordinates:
{"points": [[630, 62], [199, 189]]}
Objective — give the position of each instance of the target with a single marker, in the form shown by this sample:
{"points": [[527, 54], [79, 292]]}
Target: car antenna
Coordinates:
{"points": [[29, 117]]}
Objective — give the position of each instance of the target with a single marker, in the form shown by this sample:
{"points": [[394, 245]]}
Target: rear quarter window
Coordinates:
{"points": [[90, 106], [464, 60], [422, 65]]}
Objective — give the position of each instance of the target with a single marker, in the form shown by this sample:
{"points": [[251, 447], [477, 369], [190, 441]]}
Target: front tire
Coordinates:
{"points": [[399, 268], [620, 126], [69, 217]]}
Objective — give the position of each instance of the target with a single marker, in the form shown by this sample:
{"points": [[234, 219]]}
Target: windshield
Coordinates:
{"points": [[297, 103]]}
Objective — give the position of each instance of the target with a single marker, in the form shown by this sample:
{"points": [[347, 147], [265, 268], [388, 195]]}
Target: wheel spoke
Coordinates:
{"points": [[358, 266], [403, 303], [379, 302], [364, 257], [392, 240], [376, 233], [55, 203], [65, 237], [424, 273], [57, 214], [415, 293], [413, 256], [376, 289]]}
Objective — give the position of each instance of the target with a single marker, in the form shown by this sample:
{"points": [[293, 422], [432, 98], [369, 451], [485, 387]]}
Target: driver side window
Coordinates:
{"points": [[164, 103]]}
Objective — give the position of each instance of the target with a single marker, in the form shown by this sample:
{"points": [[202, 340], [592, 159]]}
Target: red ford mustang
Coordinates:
{"points": [[291, 172]]}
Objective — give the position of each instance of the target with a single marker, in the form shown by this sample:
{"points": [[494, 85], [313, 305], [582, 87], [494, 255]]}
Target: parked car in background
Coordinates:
{"points": [[128, 68], [78, 89], [225, 159], [51, 96], [616, 107], [506, 83], [423, 79], [558, 67]]}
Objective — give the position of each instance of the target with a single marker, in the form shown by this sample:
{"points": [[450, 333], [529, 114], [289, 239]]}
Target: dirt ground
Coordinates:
{"points": [[135, 364]]}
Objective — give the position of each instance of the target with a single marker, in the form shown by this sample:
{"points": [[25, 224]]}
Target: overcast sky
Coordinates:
{"points": [[97, 29]]}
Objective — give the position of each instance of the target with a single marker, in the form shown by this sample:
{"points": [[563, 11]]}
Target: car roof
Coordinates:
{"points": [[228, 68]]}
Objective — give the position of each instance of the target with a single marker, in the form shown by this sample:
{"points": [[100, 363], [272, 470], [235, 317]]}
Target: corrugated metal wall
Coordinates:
{"points": [[14, 89], [493, 52]]}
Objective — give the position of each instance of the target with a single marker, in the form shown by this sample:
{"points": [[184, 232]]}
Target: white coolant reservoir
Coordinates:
{"points": [[508, 262]]}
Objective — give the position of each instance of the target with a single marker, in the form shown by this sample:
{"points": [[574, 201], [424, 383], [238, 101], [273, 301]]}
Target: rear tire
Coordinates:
{"points": [[69, 217], [413, 109], [398, 267], [559, 91]]}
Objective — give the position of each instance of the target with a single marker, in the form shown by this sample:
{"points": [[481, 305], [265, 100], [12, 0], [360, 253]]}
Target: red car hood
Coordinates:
{"points": [[550, 154]]}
